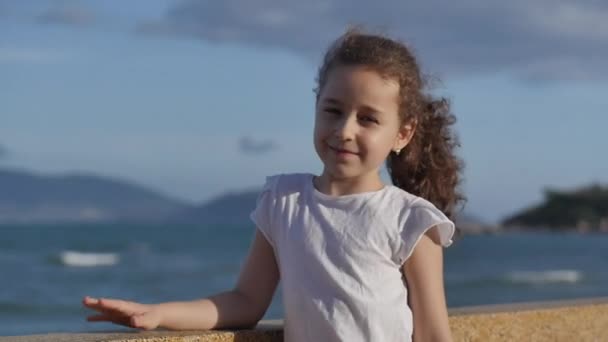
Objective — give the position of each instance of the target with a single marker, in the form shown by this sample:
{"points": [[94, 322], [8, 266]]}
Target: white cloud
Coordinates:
{"points": [[450, 37], [248, 145], [573, 20], [72, 15]]}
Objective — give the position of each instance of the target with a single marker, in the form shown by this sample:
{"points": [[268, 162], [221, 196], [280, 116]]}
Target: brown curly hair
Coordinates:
{"points": [[427, 166]]}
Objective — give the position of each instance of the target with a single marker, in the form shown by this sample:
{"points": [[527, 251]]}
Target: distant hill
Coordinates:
{"points": [[468, 223], [228, 209], [235, 208], [26, 197], [32, 198], [583, 209]]}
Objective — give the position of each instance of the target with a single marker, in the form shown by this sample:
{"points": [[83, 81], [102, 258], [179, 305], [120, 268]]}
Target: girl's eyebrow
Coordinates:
{"points": [[367, 108], [371, 109], [331, 100]]}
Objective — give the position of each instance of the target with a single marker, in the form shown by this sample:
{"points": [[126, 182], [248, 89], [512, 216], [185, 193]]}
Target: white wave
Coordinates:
{"points": [[545, 277], [81, 259]]}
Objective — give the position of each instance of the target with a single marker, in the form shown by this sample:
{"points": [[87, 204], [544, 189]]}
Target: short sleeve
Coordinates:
{"points": [[415, 222], [262, 214]]}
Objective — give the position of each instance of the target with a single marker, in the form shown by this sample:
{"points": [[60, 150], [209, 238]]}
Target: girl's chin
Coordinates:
{"points": [[343, 173]]}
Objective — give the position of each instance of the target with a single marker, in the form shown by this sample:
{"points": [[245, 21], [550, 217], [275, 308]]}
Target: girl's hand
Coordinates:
{"points": [[130, 314]]}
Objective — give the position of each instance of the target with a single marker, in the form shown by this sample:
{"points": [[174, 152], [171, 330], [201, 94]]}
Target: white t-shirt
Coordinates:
{"points": [[339, 257]]}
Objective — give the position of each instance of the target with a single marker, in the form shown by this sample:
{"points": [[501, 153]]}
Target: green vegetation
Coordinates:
{"points": [[582, 209]]}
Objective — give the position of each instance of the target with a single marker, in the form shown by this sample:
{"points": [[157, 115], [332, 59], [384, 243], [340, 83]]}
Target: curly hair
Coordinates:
{"points": [[427, 166]]}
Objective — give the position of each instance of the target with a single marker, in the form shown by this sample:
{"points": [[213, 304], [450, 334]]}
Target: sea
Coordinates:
{"points": [[46, 270]]}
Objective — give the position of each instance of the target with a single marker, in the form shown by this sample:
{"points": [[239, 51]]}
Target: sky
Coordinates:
{"points": [[197, 98]]}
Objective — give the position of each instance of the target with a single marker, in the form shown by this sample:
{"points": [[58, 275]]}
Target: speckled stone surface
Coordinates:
{"points": [[581, 320], [577, 322], [157, 336]]}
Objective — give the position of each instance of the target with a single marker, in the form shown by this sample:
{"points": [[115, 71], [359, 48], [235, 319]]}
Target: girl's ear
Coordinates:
{"points": [[405, 135]]}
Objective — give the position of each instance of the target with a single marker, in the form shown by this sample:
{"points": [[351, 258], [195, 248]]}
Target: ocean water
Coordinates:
{"points": [[46, 270]]}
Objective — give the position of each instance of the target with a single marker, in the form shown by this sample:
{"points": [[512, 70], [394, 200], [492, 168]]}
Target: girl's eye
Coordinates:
{"points": [[334, 111], [369, 119]]}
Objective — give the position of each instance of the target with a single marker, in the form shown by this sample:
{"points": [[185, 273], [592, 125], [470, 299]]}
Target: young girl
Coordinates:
{"points": [[358, 260]]}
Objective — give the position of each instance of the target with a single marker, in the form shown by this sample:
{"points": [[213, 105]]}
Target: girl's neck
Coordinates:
{"points": [[333, 186]]}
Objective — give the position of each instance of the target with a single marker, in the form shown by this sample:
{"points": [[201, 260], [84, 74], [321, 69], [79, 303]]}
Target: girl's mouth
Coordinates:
{"points": [[342, 151]]}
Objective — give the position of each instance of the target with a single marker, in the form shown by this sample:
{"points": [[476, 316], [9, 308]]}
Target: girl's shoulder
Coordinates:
{"points": [[403, 201], [406, 205], [416, 215], [286, 183]]}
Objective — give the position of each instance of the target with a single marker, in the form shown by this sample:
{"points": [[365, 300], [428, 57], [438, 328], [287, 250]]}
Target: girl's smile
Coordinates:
{"points": [[342, 152]]}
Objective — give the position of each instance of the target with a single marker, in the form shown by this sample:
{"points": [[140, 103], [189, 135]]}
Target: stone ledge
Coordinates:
{"points": [[265, 331], [576, 320], [583, 320]]}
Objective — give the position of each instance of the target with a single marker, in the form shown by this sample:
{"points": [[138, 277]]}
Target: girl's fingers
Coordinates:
{"points": [[143, 321], [122, 320], [92, 303], [89, 301], [115, 304], [121, 312], [107, 305]]}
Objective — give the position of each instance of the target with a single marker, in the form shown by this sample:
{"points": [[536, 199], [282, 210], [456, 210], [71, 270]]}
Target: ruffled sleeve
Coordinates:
{"points": [[415, 222], [263, 212]]}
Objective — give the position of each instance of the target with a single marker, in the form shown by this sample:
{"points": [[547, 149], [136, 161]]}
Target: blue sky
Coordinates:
{"points": [[195, 98]]}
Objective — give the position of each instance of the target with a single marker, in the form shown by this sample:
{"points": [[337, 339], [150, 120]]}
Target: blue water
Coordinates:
{"points": [[46, 270]]}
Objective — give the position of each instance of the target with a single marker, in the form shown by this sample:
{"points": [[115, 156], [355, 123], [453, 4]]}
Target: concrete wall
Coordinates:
{"points": [[581, 320]]}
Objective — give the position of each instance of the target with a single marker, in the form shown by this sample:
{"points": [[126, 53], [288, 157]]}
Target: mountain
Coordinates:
{"points": [[26, 197], [468, 223], [228, 209], [235, 208], [583, 209]]}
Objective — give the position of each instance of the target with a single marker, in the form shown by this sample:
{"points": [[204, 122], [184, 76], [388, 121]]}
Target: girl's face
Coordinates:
{"points": [[357, 123]]}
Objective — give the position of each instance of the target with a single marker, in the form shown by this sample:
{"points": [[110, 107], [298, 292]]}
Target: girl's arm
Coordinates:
{"points": [[240, 307], [424, 275]]}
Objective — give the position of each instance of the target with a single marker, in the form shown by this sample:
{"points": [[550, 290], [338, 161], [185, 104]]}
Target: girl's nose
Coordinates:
{"points": [[346, 128]]}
